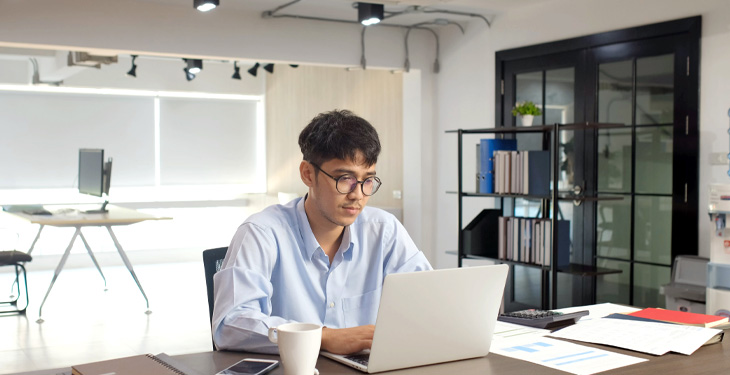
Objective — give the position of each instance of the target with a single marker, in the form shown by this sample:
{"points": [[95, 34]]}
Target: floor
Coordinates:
{"points": [[84, 323]]}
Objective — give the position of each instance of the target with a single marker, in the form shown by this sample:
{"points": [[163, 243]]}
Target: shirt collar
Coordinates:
{"points": [[305, 231], [310, 242]]}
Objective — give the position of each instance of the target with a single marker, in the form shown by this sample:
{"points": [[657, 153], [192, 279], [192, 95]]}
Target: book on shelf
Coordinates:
{"points": [[681, 317], [487, 149], [537, 173], [529, 240], [521, 172], [147, 364]]}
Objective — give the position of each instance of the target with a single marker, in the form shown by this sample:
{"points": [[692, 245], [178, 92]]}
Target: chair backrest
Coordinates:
{"points": [[212, 262]]}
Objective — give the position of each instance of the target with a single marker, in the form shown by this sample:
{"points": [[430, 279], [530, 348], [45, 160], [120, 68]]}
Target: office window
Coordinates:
{"points": [[42, 134], [154, 138], [206, 141]]}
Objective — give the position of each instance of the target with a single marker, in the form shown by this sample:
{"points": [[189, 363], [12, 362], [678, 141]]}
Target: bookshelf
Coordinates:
{"points": [[549, 204]]}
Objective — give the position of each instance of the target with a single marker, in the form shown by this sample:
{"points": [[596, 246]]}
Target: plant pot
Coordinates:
{"points": [[527, 120]]}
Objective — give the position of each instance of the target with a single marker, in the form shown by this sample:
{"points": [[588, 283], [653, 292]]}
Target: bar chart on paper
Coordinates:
{"points": [[565, 356]]}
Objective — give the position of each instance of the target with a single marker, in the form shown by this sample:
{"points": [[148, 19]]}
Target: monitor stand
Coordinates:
{"points": [[102, 210]]}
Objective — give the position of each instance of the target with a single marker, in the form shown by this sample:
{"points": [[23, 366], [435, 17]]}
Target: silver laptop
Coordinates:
{"points": [[432, 317]]}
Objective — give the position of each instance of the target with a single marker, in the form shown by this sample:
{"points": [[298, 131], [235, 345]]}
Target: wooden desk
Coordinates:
{"points": [[74, 216], [712, 360]]}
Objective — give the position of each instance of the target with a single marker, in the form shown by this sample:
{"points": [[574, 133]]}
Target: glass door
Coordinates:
{"points": [[636, 86]]}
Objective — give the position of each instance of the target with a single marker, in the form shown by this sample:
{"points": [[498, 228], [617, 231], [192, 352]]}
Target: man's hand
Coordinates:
{"points": [[347, 340]]}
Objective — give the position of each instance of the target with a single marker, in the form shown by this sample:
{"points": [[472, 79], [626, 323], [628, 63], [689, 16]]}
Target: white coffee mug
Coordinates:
{"points": [[298, 346]]}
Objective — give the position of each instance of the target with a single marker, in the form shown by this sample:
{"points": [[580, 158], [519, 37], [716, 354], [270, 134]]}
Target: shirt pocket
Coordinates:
{"points": [[361, 310]]}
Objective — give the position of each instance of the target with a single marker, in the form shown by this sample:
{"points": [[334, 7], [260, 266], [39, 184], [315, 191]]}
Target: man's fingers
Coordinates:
{"points": [[367, 344]]}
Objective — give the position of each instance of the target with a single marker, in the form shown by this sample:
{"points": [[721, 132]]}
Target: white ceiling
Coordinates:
{"points": [[52, 64], [344, 10]]}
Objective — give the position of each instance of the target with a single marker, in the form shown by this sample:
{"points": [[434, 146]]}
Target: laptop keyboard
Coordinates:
{"points": [[359, 358]]}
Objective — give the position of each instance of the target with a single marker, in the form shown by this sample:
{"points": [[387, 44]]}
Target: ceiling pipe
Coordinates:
{"points": [[36, 80], [436, 65]]}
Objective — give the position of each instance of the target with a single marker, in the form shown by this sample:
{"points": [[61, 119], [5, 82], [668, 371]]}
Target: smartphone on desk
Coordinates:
{"points": [[251, 366]]}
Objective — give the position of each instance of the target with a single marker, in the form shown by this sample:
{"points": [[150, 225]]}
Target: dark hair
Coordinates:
{"points": [[339, 134]]}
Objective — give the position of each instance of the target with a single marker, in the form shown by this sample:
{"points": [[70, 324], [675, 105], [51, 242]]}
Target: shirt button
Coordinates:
{"points": [[332, 304]]}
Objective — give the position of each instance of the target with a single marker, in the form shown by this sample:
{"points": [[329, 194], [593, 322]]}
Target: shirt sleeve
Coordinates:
{"points": [[402, 255], [243, 290]]}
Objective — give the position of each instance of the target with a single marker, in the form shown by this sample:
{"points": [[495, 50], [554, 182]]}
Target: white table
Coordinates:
{"points": [[75, 217]]}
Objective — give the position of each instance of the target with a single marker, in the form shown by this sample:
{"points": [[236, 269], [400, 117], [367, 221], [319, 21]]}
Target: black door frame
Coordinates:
{"points": [[686, 156]]}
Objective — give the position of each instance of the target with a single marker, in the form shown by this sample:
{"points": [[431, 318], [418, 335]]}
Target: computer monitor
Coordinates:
{"points": [[94, 175]]}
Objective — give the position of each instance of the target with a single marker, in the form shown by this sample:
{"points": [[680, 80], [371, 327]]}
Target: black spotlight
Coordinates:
{"points": [[269, 68], [254, 69], [133, 72], [205, 5], [370, 14], [194, 65], [294, 65], [236, 71], [189, 76]]}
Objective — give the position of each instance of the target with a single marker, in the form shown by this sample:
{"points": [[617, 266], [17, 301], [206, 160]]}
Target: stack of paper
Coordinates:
{"points": [[528, 344], [646, 337]]}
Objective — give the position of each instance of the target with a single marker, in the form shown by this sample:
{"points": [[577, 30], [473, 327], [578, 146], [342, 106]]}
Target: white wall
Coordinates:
{"points": [[177, 30], [465, 94]]}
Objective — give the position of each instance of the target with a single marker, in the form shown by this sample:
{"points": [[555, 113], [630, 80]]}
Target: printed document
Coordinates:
{"points": [[516, 333], [562, 355], [645, 337]]}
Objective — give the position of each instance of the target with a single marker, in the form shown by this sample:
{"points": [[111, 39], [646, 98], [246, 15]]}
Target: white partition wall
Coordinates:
{"points": [[42, 134], [206, 141], [155, 138]]}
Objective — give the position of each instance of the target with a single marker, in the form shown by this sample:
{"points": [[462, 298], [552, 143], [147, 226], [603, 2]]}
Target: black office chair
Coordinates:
{"points": [[212, 261], [16, 259]]}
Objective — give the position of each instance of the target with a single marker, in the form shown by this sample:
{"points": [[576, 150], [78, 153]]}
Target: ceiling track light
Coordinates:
{"points": [[236, 71], [370, 14], [254, 69], [269, 68], [205, 5], [133, 71], [189, 76], [194, 65]]}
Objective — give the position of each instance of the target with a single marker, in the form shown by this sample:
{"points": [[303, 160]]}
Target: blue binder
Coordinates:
{"points": [[486, 149]]}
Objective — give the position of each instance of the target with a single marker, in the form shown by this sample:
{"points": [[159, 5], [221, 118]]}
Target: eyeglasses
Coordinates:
{"points": [[347, 183]]}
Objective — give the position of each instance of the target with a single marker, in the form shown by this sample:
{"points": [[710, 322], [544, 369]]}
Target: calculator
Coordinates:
{"points": [[545, 319]]}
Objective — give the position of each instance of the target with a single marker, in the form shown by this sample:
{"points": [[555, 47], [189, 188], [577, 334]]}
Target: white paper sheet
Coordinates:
{"points": [[599, 311], [564, 356], [509, 331], [646, 337]]}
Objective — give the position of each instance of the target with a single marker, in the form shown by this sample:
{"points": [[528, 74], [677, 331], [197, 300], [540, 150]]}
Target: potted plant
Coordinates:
{"points": [[527, 110]]}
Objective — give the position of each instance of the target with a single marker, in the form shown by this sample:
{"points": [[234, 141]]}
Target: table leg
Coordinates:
{"points": [[93, 258], [57, 272], [129, 266], [37, 236]]}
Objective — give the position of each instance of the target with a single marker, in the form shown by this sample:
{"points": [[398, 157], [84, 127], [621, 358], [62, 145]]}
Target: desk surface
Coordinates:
{"points": [[712, 359], [76, 217]]}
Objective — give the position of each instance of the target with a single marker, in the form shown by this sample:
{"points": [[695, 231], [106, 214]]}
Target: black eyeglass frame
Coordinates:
{"points": [[362, 183]]}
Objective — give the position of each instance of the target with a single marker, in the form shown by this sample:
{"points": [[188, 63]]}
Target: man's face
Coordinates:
{"points": [[329, 204]]}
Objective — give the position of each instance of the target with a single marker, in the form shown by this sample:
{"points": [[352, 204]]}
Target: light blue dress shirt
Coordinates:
{"points": [[275, 272]]}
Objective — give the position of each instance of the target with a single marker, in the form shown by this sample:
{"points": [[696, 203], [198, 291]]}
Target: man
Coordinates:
{"points": [[319, 259]]}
